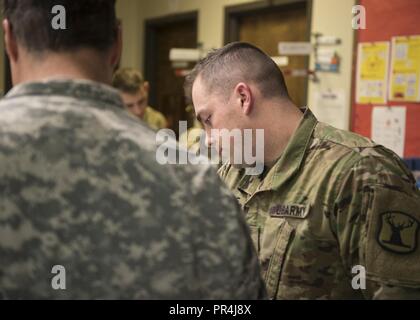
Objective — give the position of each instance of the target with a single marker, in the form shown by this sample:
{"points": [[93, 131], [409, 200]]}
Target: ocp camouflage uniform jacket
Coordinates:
{"points": [[333, 206]]}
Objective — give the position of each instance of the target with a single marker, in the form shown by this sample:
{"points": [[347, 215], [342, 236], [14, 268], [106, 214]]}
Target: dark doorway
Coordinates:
{"points": [[267, 23], [163, 34]]}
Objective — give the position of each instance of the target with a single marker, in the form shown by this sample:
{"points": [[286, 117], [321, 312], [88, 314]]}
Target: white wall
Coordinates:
{"points": [[131, 14]]}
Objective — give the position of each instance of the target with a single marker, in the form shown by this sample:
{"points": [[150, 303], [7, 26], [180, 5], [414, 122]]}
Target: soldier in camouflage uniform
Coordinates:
{"points": [[135, 94], [80, 187], [330, 207]]}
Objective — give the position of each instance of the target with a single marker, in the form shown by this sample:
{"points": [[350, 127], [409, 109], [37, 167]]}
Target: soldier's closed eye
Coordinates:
{"points": [[208, 121]]}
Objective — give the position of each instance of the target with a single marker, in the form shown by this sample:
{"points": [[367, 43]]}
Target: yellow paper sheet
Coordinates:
{"points": [[405, 69], [372, 72]]}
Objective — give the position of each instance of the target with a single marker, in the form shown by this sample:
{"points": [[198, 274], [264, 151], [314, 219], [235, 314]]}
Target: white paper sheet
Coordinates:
{"points": [[388, 128], [330, 108]]}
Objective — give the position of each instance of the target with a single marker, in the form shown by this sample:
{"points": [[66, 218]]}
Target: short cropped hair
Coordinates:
{"points": [[128, 80], [224, 68], [89, 24]]}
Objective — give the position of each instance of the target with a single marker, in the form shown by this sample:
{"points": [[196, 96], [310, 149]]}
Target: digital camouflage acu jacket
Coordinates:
{"points": [[80, 188]]}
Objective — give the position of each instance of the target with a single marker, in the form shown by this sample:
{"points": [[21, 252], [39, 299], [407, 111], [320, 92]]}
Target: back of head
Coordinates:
{"points": [[128, 80], [224, 68], [89, 24]]}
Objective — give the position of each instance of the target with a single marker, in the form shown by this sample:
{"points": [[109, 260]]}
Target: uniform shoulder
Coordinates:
{"points": [[350, 147], [155, 119], [356, 157], [154, 113], [342, 138], [360, 159]]}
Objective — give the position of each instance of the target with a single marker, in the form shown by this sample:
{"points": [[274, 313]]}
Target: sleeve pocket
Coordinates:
{"points": [[274, 243]]}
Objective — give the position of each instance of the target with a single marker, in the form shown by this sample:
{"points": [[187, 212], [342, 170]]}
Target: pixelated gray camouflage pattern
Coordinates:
{"points": [[80, 187]]}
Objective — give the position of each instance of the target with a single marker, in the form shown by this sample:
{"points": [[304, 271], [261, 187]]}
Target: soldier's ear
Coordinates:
{"points": [[244, 96], [10, 42], [146, 86]]}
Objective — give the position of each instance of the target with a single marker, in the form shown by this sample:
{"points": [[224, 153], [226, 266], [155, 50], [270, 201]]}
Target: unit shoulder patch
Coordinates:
{"points": [[398, 232]]}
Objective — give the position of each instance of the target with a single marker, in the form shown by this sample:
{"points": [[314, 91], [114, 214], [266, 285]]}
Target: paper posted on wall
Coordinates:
{"points": [[388, 128], [405, 69], [330, 107], [372, 72]]}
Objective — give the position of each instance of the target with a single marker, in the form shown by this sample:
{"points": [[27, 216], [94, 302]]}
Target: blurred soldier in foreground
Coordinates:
{"points": [[330, 207], [84, 206], [135, 94]]}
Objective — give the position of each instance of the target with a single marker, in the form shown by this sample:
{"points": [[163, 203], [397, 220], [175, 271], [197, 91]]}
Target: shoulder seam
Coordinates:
{"points": [[348, 147]]}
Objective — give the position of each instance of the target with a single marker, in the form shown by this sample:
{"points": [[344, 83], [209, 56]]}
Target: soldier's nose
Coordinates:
{"points": [[137, 111], [209, 140]]}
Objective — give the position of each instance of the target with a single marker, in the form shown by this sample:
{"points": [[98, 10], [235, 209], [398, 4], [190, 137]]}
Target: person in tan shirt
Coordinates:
{"points": [[135, 95]]}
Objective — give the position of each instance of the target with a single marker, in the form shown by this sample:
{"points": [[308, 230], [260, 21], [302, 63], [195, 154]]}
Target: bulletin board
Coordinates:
{"points": [[384, 20]]}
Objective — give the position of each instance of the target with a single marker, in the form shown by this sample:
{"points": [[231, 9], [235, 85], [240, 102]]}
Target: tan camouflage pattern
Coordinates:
{"points": [[154, 119], [80, 187], [333, 201], [194, 139]]}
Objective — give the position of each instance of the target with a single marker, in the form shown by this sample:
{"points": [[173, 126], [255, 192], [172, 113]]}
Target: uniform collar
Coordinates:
{"points": [[293, 156], [78, 89]]}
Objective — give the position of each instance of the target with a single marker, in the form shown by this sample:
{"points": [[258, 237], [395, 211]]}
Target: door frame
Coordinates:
{"points": [[150, 62], [234, 13]]}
